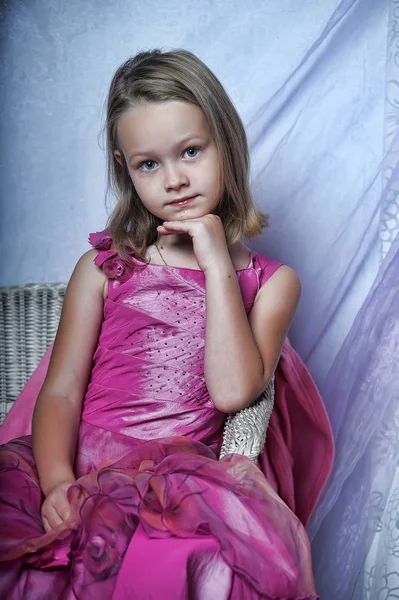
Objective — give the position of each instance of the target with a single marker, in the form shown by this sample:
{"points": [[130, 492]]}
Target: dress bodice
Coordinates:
{"points": [[148, 378]]}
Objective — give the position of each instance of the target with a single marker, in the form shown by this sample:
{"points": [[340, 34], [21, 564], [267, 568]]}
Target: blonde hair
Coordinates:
{"points": [[156, 76]]}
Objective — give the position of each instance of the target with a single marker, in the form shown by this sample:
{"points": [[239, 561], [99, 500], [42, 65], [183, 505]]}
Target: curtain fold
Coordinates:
{"points": [[355, 528], [317, 148], [362, 393], [347, 329]]}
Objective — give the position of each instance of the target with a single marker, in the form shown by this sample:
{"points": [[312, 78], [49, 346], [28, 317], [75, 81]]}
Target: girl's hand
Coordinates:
{"points": [[56, 508], [209, 240]]}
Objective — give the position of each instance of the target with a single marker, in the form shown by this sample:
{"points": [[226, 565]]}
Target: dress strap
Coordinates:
{"points": [[264, 266]]}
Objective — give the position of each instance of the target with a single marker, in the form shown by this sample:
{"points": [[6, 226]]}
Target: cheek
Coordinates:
{"points": [[215, 181], [215, 173], [142, 186]]}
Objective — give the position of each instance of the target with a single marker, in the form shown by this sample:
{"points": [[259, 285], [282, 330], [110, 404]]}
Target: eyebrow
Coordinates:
{"points": [[183, 141]]}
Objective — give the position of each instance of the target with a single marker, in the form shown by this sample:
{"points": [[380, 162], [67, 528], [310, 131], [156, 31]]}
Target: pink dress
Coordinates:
{"points": [[156, 515]]}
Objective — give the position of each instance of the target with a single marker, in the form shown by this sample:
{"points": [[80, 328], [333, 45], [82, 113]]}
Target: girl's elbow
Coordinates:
{"points": [[229, 402], [222, 406]]}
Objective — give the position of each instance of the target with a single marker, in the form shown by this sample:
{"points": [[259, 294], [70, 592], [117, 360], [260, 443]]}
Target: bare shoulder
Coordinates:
{"points": [[283, 289], [84, 296], [86, 263], [88, 275], [285, 278]]}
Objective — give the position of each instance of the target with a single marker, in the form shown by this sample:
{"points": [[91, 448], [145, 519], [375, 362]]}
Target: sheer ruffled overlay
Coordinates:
{"points": [[172, 488]]}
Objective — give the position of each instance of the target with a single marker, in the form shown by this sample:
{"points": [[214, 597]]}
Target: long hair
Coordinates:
{"points": [[155, 77]]}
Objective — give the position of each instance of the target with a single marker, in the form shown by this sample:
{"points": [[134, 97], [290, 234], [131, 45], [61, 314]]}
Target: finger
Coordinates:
{"points": [[179, 220], [46, 524], [62, 507], [52, 517], [64, 512], [183, 225], [163, 231], [174, 227]]}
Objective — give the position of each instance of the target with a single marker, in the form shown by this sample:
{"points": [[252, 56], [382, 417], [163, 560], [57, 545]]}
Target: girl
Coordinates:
{"points": [[169, 323]]}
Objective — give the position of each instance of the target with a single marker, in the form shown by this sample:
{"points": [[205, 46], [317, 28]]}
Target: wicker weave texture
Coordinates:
{"points": [[29, 316]]}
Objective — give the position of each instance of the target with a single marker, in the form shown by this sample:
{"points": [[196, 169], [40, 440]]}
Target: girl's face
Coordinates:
{"points": [[172, 159]]}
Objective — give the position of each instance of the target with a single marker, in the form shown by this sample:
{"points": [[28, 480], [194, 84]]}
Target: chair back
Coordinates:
{"points": [[29, 316]]}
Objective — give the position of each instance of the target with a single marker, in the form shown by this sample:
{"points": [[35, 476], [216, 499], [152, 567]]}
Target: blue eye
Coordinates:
{"points": [[148, 165], [192, 152]]}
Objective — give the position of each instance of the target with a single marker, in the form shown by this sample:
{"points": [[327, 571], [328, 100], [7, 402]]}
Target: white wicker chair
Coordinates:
{"points": [[29, 316]]}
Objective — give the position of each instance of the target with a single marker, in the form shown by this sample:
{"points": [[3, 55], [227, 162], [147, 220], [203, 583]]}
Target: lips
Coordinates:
{"points": [[182, 201]]}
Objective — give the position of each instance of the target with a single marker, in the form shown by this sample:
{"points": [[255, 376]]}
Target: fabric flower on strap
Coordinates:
{"points": [[115, 268], [100, 240], [109, 260]]}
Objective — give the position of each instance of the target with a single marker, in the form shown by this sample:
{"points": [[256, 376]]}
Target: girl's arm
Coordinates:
{"points": [[241, 354], [57, 412]]}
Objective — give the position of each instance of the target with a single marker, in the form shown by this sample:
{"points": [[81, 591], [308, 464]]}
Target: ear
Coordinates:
{"points": [[118, 156]]}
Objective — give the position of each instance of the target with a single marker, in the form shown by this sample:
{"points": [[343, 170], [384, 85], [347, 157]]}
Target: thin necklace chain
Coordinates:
{"points": [[159, 252]]}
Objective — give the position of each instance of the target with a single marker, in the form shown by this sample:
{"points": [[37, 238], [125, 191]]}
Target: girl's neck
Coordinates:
{"points": [[175, 242], [177, 250], [173, 250]]}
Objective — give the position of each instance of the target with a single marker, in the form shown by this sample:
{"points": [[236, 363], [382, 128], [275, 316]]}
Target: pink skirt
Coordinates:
{"points": [[165, 521]]}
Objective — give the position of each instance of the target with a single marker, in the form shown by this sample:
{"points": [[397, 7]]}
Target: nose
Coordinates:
{"points": [[175, 177]]}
